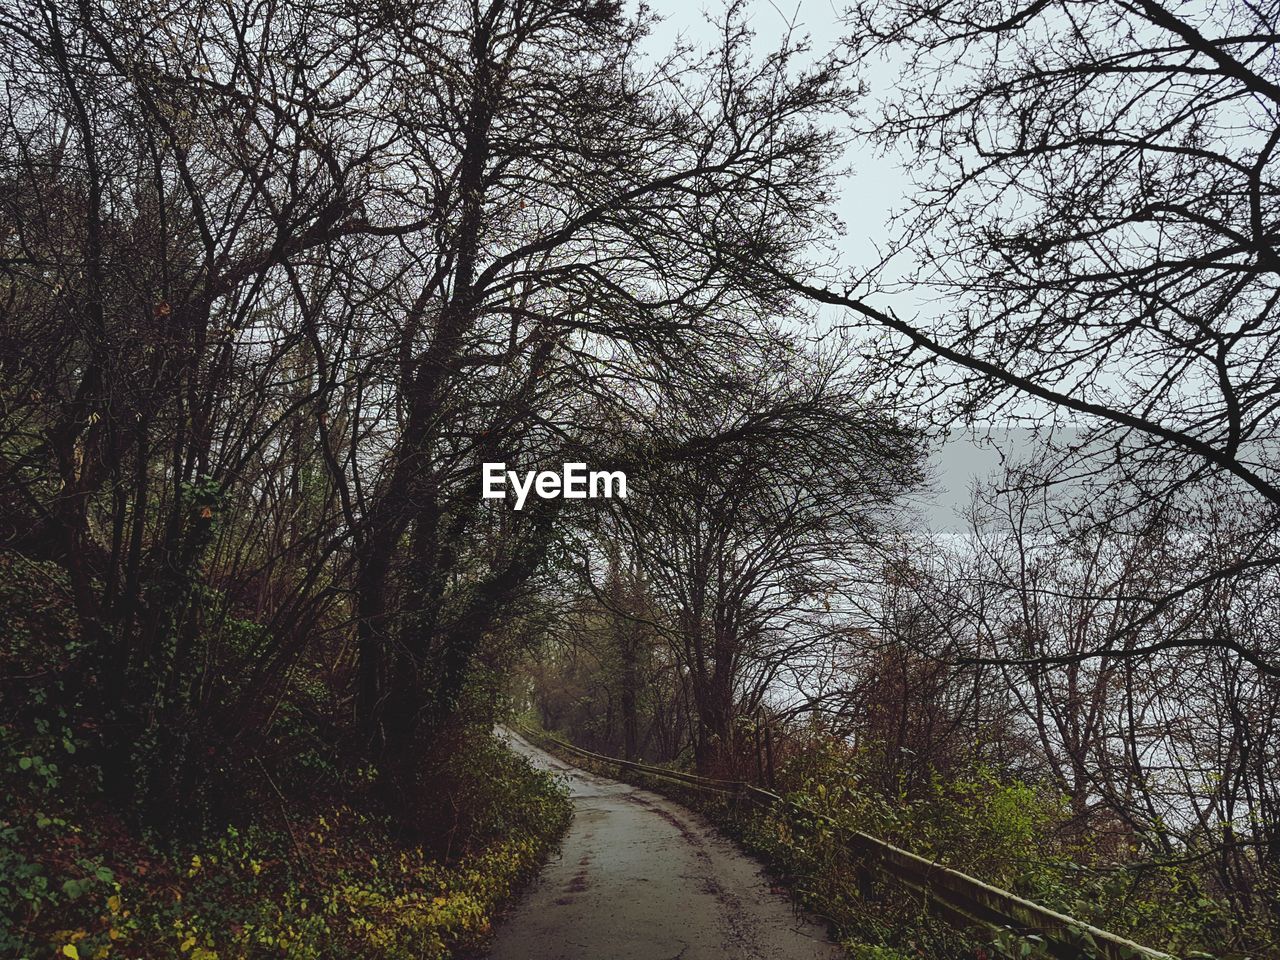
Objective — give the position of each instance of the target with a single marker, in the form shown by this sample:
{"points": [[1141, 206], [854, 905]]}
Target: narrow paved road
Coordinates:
{"points": [[641, 878]]}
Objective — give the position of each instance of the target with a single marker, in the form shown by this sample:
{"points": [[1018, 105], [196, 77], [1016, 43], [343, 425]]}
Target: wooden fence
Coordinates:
{"points": [[958, 897]]}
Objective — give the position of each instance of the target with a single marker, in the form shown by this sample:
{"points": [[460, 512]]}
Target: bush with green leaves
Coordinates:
{"points": [[303, 865], [318, 881], [994, 827]]}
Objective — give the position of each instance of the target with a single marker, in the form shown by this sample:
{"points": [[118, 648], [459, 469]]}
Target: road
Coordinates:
{"points": [[641, 878]]}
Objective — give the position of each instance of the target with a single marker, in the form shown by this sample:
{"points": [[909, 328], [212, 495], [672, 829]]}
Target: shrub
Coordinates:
{"points": [[320, 881]]}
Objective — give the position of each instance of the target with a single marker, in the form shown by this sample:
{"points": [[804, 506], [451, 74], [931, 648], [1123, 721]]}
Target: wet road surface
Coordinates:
{"points": [[641, 878]]}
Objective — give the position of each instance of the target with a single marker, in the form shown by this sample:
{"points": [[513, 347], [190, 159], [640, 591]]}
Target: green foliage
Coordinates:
{"points": [[326, 881], [40, 628], [998, 829], [299, 867], [1151, 902], [865, 951], [873, 919]]}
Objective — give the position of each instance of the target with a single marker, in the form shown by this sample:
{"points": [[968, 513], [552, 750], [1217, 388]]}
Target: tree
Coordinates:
{"points": [[587, 210], [1097, 210], [157, 179], [766, 504], [277, 280], [1154, 754]]}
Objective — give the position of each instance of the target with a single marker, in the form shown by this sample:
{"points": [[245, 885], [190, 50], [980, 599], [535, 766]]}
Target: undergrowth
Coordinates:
{"points": [[997, 829], [294, 868]]}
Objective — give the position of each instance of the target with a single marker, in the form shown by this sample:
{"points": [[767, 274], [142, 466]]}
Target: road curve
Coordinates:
{"points": [[641, 878]]}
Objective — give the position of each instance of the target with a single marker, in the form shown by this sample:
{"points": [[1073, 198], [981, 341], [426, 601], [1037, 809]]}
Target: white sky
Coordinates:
{"points": [[877, 185], [876, 188]]}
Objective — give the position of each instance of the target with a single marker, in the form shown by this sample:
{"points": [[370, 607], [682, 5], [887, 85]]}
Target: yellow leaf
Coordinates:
{"points": [[113, 903], [69, 950], [187, 944]]}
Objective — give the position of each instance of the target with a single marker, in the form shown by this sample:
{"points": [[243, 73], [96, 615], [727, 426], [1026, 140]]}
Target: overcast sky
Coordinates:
{"points": [[875, 188], [877, 185]]}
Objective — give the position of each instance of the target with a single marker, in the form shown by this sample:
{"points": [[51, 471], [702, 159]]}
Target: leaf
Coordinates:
{"points": [[69, 950]]}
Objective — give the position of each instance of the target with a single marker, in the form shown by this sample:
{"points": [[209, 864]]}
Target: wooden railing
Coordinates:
{"points": [[960, 898]]}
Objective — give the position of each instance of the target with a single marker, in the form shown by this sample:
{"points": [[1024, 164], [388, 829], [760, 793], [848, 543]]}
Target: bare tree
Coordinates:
{"points": [[278, 279], [1096, 215], [766, 504]]}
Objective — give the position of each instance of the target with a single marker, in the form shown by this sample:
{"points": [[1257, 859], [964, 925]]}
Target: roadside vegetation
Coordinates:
{"points": [[275, 281], [1004, 832], [278, 279], [1000, 830], [1045, 782], [292, 857]]}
